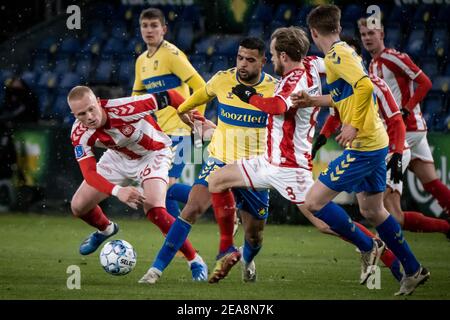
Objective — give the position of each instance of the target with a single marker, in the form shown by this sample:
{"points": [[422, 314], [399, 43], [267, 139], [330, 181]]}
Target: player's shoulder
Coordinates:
{"points": [[379, 83], [391, 52], [269, 79], [171, 49], [142, 56], [78, 130], [223, 75]]}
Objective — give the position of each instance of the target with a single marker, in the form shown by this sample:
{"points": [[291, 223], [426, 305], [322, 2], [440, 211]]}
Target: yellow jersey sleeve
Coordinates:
{"points": [[347, 64], [180, 65], [138, 86]]}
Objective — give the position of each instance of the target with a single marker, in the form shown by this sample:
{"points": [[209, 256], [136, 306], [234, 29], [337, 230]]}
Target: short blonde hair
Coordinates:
{"points": [[78, 92], [362, 22]]}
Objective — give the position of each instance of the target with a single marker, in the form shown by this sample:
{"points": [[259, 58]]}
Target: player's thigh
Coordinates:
{"points": [[318, 196], [198, 202], [86, 198], [155, 193], [253, 227], [226, 177]]}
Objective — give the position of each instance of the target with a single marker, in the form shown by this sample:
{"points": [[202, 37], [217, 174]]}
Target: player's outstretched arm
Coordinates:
{"points": [[273, 105], [304, 100]]}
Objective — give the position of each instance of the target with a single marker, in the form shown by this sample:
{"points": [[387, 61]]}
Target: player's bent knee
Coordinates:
{"points": [[191, 212], [77, 207]]}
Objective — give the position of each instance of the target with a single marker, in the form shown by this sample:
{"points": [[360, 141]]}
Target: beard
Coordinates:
{"points": [[279, 70], [248, 77]]}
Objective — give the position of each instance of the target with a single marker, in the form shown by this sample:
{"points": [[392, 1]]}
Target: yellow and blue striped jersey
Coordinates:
{"points": [[168, 68], [344, 69], [241, 127]]}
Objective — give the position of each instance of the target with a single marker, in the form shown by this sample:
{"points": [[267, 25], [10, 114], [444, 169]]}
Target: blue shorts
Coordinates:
{"points": [[178, 163], [254, 202], [357, 171]]}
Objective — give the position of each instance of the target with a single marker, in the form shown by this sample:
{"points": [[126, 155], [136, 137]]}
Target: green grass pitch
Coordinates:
{"points": [[296, 262]]}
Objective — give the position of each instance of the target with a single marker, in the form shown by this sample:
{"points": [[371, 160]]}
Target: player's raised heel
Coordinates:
{"points": [[370, 259], [409, 284], [225, 262], [248, 269], [95, 239], [151, 277]]}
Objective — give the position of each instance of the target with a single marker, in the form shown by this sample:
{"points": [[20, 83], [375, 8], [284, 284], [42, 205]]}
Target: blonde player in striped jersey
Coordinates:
{"points": [[162, 67], [240, 133], [137, 151]]}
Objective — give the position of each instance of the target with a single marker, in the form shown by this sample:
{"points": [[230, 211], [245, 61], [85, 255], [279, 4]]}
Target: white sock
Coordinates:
{"points": [[158, 272], [197, 258], [109, 229]]}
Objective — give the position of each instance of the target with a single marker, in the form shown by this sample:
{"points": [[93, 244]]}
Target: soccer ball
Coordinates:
{"points": [[118, 257]]}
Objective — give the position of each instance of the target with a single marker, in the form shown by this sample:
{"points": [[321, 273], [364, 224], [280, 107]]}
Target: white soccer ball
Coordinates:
{"points": [[118, 257]]}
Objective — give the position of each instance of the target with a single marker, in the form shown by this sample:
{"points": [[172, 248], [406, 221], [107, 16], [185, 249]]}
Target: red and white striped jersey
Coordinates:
{"points": [[290, 135], [129, 130], [399, 71], [387, 106]]}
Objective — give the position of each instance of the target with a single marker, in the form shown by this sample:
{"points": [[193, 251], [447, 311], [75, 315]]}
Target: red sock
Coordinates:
{"points": [[224, 211], [440, 192], [96, 218], [163, 220], [388, 256], [417, 222]]}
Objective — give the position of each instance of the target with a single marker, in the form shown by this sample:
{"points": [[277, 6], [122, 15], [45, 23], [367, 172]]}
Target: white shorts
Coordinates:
{"points": [[406, 158], [420, 148], [122, 171], [291, 183]]}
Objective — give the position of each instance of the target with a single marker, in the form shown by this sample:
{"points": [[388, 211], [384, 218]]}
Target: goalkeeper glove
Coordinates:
{"points": [[320, 141], [395, 165]]}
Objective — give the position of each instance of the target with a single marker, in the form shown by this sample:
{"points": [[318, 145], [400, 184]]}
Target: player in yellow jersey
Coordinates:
{"points": [[362, 167], [240, 133], [162, 67]]}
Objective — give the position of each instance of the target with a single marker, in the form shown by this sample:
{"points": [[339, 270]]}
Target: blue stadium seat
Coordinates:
{"points": [[61, 110], [348, 29], [433, 109], [69, 80], [393, 38], [351, 13], [415, 43], [114, 46], [47, 80], [30, 79], [205, 45], [262, 13], [70, 45], [200, 63], [441, 84], [185, 36], [103, 71], [439, 43], [119, 31], [126, 71], [41, 63], [422, 13], [268, 68], [219, 63], [92, 45], [228, 45], [97, 30], [62, 65], [275, 25], [447, 70], [83, 68], [302, 13], [44, 101], [285, 13], [256, 30], [46, 44], [430, 67], [442, 16], [397, 16], [191, 13]]}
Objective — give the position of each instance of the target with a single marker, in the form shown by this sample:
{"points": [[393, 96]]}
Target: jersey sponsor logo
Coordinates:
{"points": [[161, 83], [155, 64], [79, 151], [242, 117], [127, 130], [340, 90]]}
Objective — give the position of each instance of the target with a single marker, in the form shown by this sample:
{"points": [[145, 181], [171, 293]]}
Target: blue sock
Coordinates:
{"points": [[342, 224], [391, 233], [179, 192], [250, 252], [174, 240], [173, 208], [395, 270]]}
